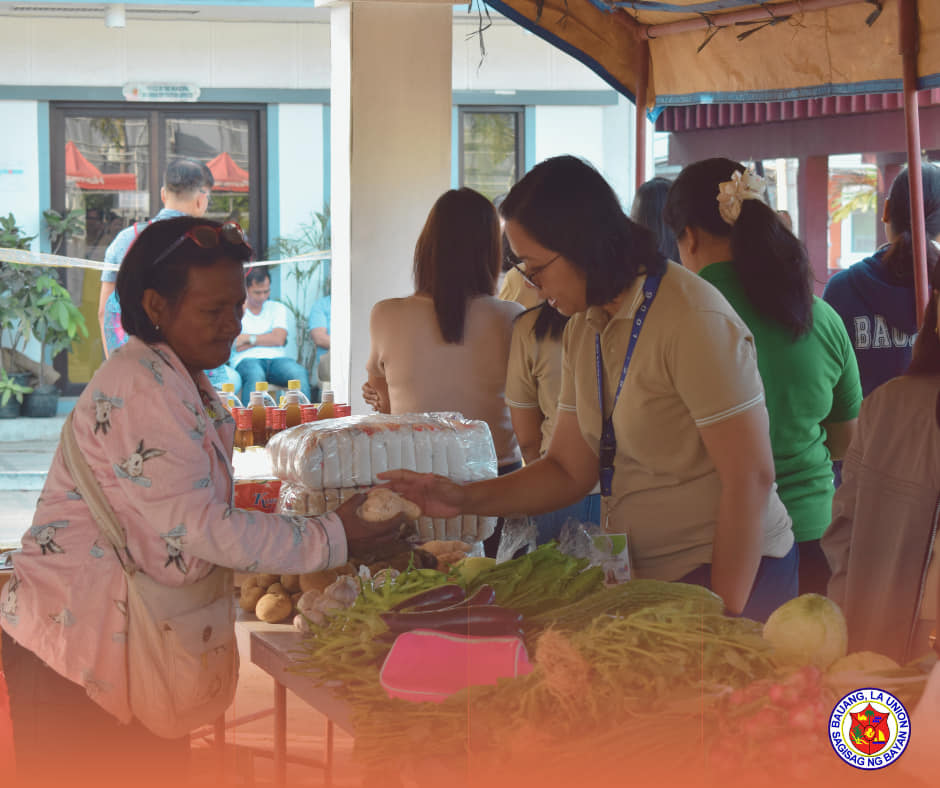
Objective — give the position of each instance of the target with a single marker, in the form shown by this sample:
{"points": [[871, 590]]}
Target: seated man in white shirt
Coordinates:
{"points": [[259, 349]]}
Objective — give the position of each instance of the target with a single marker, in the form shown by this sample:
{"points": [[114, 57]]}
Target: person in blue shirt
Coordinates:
{"points": [[185, 192], [187, 185], [318, 323], [875, 297]]}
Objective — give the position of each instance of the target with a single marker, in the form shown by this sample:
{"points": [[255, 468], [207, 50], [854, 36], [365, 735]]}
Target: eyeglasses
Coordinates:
{"points": [[530, 275], [207, 237]]}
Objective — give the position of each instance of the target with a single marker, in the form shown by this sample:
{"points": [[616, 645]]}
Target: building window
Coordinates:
{"points": [[491, 148], [108, 161]]}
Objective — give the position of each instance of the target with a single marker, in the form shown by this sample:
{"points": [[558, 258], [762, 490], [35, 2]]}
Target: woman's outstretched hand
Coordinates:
{"points": [[437, 496], [365, 536]]}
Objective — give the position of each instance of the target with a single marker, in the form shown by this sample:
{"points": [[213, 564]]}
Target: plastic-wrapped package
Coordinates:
{"points": [[323, 463]]}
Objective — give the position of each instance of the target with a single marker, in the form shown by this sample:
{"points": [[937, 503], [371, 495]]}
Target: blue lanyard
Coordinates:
{"points": [[608, 442]]}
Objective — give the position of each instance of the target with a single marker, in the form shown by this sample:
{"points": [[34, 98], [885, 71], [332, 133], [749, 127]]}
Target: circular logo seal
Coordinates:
{"points": [[869, 728]]}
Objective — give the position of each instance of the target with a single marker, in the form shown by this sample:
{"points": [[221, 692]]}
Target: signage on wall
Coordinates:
{"points": [[160, 91], [12, 177]]}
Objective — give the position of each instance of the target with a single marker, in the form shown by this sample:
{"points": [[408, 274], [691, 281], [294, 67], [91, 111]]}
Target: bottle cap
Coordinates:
{"points": [[293, 385], [261, 385], [228, 388]]}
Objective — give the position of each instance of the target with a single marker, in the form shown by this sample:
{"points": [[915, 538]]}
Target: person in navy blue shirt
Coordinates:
{"points": [[875, 297]]}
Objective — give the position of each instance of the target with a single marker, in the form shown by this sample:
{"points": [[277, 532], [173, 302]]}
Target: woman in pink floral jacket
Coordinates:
{"points": [[159, 443]]}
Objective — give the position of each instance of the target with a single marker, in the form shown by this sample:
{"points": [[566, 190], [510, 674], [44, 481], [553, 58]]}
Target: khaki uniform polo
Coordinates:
{"points": [[533, 378], [694, 366]]}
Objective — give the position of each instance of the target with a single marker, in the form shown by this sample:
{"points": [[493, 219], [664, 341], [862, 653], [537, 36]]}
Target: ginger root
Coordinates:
{"points": [[383, 504]]}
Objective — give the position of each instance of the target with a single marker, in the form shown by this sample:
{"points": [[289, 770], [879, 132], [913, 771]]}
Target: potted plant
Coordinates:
{"points": [[56, 323], [313, 236], [16, 284]]}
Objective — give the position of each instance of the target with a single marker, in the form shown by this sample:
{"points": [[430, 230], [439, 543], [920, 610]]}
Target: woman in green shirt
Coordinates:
{"points": [[733, 239]]}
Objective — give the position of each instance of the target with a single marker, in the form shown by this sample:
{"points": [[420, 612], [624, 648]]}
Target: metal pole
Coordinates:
{"points": [[910, 46], [642, 95]]}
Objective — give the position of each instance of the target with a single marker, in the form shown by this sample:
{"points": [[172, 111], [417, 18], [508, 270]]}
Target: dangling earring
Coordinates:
{"points": [[156, 328]]}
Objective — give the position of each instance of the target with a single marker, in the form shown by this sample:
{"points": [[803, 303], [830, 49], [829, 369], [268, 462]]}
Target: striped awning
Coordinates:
{"points": [[718, 116]]}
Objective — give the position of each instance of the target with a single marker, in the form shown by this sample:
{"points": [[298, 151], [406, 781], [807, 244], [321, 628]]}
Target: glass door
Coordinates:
{"points": [[108, 161]]}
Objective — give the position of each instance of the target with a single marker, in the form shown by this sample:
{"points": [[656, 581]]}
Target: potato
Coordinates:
{"points": [[277, 588], [266, 580], [273, 608], [250, 581], [349, 568], [317, 580], [291, 582], [249, 597]]}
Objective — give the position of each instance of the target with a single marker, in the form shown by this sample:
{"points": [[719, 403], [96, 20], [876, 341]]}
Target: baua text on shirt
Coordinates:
{"points": [[882, 337]]}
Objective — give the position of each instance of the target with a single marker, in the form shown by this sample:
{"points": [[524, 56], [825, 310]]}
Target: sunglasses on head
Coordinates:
{"points": [[206, 236]]}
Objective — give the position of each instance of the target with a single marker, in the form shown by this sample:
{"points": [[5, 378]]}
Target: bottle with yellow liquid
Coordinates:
{"points": [[326, 409], [228, 397], [293, 414], [294, 385], [258, 420], [262, 386]]}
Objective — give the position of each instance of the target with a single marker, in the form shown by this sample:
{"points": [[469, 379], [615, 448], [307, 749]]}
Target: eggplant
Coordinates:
{"points": [[488, 620], [485, 595], [433, 598]]}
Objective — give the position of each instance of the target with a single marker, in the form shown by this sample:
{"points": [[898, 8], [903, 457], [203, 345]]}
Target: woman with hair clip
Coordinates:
{"points": [[533, 382], [679, 445], [446, 347], [875, 297], [733, 239], [882, 543]]}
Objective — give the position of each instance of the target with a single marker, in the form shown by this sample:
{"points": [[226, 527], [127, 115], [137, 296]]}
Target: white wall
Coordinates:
{"points": [[211, 55], [19, 193], [516, 59], [300, 164], [300, 181]]}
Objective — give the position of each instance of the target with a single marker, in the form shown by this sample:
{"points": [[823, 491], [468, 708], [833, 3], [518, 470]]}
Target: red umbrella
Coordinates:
{"points": [[87, 176], [229, 177]]}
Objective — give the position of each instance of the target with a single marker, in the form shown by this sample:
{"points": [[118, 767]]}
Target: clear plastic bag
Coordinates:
{"points": [[611, 552], [321, 464]]}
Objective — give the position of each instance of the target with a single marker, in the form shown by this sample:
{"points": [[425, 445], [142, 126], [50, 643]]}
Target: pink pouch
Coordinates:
{"points": [[427, 666]]}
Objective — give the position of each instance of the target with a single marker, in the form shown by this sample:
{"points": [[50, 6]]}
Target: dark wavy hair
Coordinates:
{"points": [[170, 275], [568, 207], [770, 261], [899, 260], [647, 209], [457, 257]]}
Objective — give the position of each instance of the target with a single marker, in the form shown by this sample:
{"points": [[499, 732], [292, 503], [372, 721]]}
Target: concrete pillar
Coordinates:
{"points": [[390, 156], [813, 191]]}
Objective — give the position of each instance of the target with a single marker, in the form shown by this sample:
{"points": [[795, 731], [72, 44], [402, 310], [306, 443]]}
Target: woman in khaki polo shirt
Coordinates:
{"points": [[693, 474]]}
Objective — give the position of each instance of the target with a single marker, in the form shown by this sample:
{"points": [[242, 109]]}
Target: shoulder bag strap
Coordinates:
{"points": [[93, 496]]}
